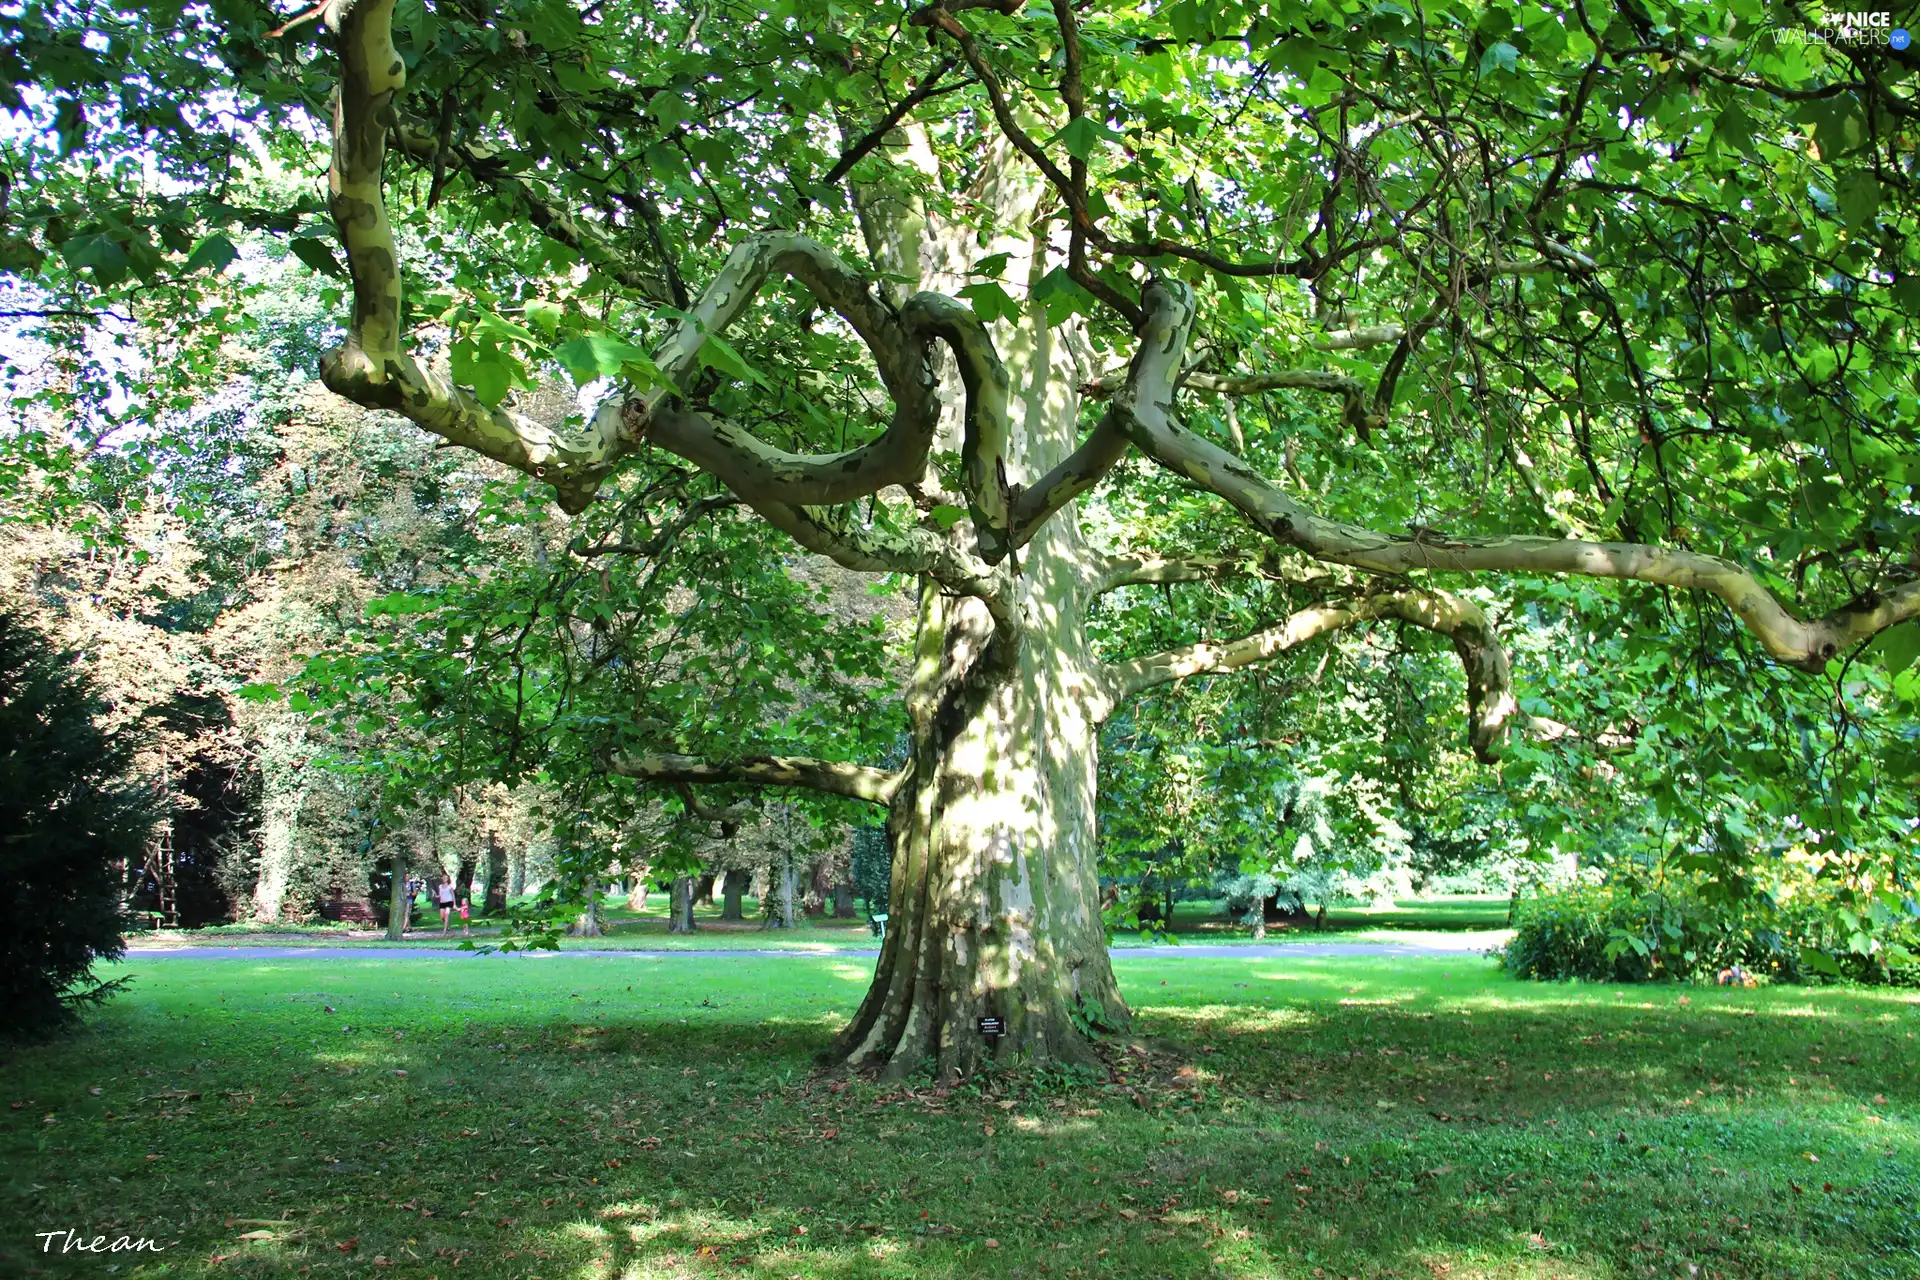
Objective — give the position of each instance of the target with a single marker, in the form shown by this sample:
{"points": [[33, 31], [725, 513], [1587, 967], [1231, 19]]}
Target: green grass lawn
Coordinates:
{"points": [[591, 1118]]}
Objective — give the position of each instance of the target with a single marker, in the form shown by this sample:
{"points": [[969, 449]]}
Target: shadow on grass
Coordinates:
{"points": [[594, 1121]]}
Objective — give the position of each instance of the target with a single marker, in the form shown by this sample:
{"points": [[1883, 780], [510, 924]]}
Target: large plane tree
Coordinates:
{"points": [[1404, 307]]}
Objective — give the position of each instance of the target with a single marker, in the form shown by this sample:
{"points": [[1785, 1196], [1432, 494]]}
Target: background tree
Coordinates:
{"points": [[75, 819]]}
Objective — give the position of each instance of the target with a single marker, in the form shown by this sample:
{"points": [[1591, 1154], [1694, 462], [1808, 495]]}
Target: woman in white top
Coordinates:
{"points": [[444, 895]]}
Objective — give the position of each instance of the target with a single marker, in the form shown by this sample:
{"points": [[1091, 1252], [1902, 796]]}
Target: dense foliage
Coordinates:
{"points": [[1631, 931], [73, 825]]}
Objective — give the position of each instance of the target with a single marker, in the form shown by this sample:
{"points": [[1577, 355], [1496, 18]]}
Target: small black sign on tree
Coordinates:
{"points": [[993, 1028]]}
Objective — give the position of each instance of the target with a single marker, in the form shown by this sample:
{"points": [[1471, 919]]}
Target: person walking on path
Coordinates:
{"points": [[446, 903]]}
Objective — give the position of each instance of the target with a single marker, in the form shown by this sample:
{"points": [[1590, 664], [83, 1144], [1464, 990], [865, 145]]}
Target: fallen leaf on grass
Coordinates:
{"points": [[256, 1235]]}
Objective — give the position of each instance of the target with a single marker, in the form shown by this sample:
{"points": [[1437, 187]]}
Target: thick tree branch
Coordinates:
{"points": [[983, 445], [1491, 708], [373, 369], [854, 781], [1805, 644]]}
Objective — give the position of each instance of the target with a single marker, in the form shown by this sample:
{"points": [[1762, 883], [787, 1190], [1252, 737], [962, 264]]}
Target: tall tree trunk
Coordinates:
{"points": [[517, 872], [843, 900], [995, 899], [703, 890], [818, 893], [788, 890], [463, 878], [680, 914], [731, 890], [995, 906], [587, 923], [496, 873], [637, 892], [399, 899], [281, 797]]}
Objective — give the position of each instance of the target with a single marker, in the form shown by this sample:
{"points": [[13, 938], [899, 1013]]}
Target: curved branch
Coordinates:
{"points": [[1491, 707], [372, 368], [983, 446], [1789, 639], [834, 777]]}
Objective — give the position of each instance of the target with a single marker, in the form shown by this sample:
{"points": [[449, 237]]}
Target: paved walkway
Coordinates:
{"points": [[1248, 950]]}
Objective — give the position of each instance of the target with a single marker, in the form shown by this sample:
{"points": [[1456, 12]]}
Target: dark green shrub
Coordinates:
{"points": [[1619, 933], [70, 822]]}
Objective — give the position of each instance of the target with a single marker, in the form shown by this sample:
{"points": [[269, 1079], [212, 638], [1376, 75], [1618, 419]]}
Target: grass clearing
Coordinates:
{"points": [[592, 1118]]}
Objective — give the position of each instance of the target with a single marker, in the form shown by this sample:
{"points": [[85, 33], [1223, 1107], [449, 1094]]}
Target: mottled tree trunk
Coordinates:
{"points": [[587, 923], [819, 891], [994, 906], [731, 890], [281, 798], [703, 890], [843, 908], [496, 874], [399, 899], [680, 915], [637, 891]]}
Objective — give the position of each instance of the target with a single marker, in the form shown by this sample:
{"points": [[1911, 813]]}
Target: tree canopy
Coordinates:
{"points": [[1153, 342]]}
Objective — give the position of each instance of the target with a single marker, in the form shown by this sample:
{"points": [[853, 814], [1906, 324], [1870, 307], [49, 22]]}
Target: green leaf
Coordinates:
{"points": [[1062, 297], [1859, 199], [947, 516], [991, 302], [1819, 961], [1499, 54], [1735, 129], [492, 379], [500, 327], [992, 265], [317, 254], [599, 355], [98, 253], [1899, 646], [717, 353], [69, 126], [1083, 135], [544, 316], [213, 253]]}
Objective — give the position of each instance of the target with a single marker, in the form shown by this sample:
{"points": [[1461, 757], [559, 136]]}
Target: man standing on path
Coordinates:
{"points": [[445, 896]]}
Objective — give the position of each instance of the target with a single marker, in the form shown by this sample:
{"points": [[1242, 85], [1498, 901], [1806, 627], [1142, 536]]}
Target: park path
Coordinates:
{"points": [[1246, 950]]}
